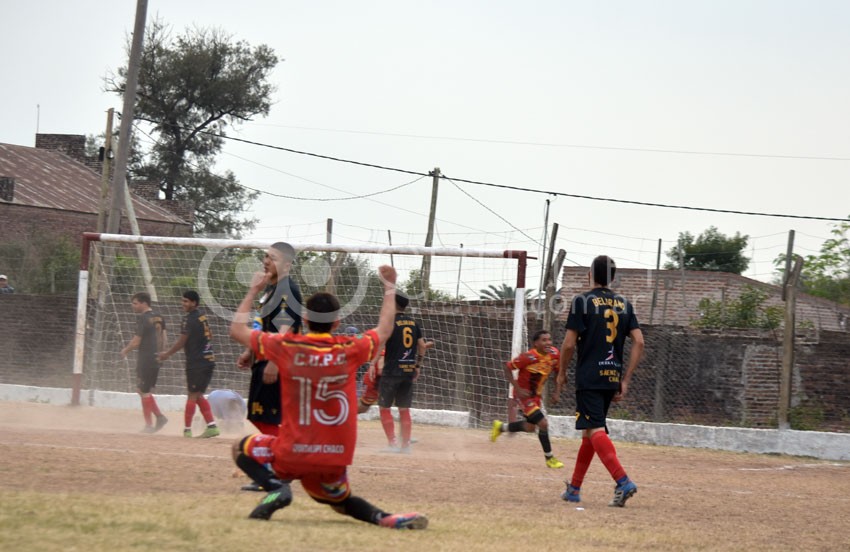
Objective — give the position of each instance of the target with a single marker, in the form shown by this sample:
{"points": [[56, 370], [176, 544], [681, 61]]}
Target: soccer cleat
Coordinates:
{"points": [[496, 430], [411, 520], [160, 422], [405, 450], [553, 462], [572, 494], [272, 502], [187, 433], [148, 429], [392, 449], [253, 486], [210, 432], [622, 493]]}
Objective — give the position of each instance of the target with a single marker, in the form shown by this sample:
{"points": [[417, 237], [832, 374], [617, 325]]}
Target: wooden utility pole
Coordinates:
{"points": [[119, 180], [788, 254], [655, 284], [429, 237], [790, 293], [104, 175]]}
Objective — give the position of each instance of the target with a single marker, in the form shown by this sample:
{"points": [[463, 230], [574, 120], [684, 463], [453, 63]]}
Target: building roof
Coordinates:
{"points": [[54, 181]]}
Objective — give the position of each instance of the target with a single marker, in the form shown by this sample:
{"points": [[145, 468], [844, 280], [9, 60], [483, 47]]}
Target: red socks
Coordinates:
{"points": [[607, 454], [188, 413], [206, 411], [406, 426], [583, 459], [389, 425], [149, 407]]}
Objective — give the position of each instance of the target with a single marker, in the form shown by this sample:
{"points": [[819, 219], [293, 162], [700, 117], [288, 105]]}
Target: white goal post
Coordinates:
{"points": [[462, 372]]}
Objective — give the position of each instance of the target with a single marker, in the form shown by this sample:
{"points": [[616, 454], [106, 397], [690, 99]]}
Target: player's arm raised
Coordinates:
{"points": [[385, 320], [239, 329]]}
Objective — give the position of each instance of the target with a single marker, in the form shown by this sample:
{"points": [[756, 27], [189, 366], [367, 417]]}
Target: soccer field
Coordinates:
{"points": [[82, 478]]}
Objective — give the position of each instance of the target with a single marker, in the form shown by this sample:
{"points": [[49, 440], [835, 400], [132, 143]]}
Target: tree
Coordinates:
{"points": [[493, 293], [746, 311], [412, 287], [191, 87], [827, 274], [712, 251]]}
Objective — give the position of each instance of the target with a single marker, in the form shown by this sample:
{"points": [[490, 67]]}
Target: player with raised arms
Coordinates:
{"points": [[317, 374]]}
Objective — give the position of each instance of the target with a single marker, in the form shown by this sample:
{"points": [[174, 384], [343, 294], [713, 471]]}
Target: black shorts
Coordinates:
{"points": [[147, 372], [395, 389], [592, 408], [198, 378], [263, 399]]}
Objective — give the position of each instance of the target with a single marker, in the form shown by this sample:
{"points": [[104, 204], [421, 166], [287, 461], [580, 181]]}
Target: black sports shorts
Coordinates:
{"points": [[395, 389], [592, 408], [198, 378], [147, 372]]}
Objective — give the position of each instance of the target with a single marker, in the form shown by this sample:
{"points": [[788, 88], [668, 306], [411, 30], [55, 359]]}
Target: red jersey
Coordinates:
{"points": [[318, 386], [534, 368]]}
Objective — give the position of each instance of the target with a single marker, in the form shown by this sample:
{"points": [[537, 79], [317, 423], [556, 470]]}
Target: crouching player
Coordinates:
{"points": [[317, 374]]}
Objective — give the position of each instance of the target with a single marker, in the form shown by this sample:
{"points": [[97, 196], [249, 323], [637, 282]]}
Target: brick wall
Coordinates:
{"points": [[677, 295], [686, 376], [26, 220]]}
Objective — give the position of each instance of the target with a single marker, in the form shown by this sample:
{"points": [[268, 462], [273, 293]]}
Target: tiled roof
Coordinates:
{"points": [[52, 180]]}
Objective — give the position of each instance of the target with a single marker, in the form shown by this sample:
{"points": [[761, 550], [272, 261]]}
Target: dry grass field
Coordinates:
{"points": [[79, 478]]}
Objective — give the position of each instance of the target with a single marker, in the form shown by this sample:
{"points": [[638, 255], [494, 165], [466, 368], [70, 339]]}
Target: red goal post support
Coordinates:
{"points": [[87, 261]]}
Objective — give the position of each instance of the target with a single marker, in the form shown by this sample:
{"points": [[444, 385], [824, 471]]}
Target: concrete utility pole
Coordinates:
{"points": [[119, 180], [429, 237]]}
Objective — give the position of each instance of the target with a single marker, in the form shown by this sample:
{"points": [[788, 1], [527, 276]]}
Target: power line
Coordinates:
{"points": [[577, 146], [522, 189]]}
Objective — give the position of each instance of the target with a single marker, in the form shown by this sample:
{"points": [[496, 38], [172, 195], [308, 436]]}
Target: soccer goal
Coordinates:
{"points": [[463, 372]]}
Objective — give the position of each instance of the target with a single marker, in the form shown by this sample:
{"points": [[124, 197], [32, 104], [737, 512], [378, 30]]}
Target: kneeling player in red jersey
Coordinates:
{"points": [[318, 424]]}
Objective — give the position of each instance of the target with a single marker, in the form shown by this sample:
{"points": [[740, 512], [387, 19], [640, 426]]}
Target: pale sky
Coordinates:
{"points": [[551, 95]]}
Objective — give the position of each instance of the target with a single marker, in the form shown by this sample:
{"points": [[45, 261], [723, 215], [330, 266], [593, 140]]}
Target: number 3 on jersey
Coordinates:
{"points": [[613, 319], [306, 412]]}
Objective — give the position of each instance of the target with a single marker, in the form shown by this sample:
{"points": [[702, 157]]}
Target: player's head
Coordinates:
{"points": [[541, 340], [602, 270], [401, 301], [322, 314], [141, 301], [278, 260], [191, 300]]}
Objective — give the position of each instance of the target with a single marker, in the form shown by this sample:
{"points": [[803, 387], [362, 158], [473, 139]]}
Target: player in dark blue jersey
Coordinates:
{"points": [[149, 339], [403, 353], [597, 327], [196, 341]]}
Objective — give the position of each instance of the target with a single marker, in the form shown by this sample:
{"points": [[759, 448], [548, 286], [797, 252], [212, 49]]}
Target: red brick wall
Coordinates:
{"points": [[24, 220], [678, 295]]}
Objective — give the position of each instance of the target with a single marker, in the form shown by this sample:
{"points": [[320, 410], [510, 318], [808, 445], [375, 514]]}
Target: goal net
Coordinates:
{"points": [[462, 372]]}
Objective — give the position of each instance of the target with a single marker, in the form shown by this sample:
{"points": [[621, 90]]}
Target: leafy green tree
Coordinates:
{"points": [[827, 274], [413, 288], [498, 293], [711, 250], [746, 311], [191, 87]]}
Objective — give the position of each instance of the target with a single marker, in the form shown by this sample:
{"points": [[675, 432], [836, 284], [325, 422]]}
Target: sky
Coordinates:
{"points": [[729, 105]]}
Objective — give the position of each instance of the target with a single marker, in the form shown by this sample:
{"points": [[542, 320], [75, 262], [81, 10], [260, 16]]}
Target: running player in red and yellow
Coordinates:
{"points": [[317, 375], [534, 367], [371, 383]]}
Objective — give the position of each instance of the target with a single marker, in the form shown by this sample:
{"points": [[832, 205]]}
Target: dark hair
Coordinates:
{"points": [[538, 334], [324, 308], [142, 297], [287, 250], [603, 270], [401, 301], [193, 296]]}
